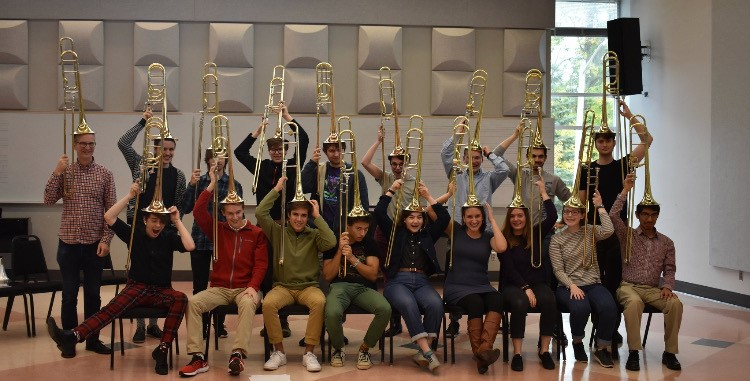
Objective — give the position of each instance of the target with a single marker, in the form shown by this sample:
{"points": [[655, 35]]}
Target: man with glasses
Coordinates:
{"points": [[652, 255], [270, 172], [87, 190], [173, 188]]}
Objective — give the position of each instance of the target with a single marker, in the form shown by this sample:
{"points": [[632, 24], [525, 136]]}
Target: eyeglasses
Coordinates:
{"points": [[571, 212], [275, 150], [87, 144]]}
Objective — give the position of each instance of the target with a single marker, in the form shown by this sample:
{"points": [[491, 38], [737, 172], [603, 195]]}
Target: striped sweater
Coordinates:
{"points": [[566, 253]]}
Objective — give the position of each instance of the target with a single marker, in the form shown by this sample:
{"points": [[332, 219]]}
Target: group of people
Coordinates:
{"points": [[285, 258]]}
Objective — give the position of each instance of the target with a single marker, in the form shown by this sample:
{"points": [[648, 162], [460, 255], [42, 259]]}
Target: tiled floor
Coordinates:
{"points": [[714, 344]]}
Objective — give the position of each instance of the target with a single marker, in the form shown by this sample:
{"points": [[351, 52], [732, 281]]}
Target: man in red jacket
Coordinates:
{"points": [[236, 277]]}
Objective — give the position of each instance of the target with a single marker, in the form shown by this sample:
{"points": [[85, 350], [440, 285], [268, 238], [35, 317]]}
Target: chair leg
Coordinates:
{"points": [[648, 325], [51, 303], [33, 316], [177, 343], [381, 346], [8, 308], [122, 340], [390, 341], [266, 345], [505, 329], [212, 317], [445, 340], [112, 346], [208, 337], [26, 314]]}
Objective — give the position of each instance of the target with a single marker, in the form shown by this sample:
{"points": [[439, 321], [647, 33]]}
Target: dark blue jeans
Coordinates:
{"points": [[597, 299], [74, 259], [413, 295]]}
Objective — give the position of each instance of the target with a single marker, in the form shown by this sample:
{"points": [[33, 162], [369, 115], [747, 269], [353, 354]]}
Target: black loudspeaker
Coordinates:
{"points": [[624, 37]]}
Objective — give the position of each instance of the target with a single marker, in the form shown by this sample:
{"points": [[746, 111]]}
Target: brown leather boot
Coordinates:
{"points": [[485, 352], [475, 328]]}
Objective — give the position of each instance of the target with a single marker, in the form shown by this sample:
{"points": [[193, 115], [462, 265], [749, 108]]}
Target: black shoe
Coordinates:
{"points": [[160, 355], [285, 330], [603, 357], [579, 351], [616, 338], [452, 330], [563, 339], [634, 361], [222, 332], [66, 340], [154, 331], [517, 363], [547, 362], [98, 347], [346, 340], [139, 336], [263, 332], [302, 342], [670, 360], [393, 331]]}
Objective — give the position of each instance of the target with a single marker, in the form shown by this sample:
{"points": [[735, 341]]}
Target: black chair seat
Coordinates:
{"points": [[44, 287]]}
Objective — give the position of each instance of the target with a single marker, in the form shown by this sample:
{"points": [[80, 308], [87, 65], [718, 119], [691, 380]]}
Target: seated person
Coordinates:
{"points": [[149, 279], [360, 253], [237, 274], [295, 272]]}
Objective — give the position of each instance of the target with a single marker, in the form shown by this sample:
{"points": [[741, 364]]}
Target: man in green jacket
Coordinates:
{"points": [[295, 272]]}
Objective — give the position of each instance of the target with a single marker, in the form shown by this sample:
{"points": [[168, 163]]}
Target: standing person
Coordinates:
{"points": [[524, 284], [358, 251], [327, 181], [84, 238], [413, 260], [296, 280], [269, 173], [239, 269], [485, 184], [149, 279], [467, 284], [173, 187], [580, 289], [200, 258], [653, 255], [610, 184], [396, 159]]}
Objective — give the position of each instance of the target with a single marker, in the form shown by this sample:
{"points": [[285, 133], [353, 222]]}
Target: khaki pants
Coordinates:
{"points": [[211, 298], [311, 297], [634, 297]]}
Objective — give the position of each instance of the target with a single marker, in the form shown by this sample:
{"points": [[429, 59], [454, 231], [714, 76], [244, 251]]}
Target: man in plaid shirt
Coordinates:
{"points": [[200, 258], [84, 238]]}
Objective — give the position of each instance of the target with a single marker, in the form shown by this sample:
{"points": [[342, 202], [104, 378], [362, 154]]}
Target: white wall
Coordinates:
{"points": [[679, 110]]}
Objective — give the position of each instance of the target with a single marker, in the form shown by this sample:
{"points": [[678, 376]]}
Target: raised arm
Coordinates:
{"points": [[185, 237], [326, 239], [604, 230], [242, 152], [179, 192], [371, 168], [309, 173], [503, 146], [500, 170], [646, 139], [498, 242], [446, 155], [331, 266], [125, 144], [110, 216], [614, 214], [53, 191]]}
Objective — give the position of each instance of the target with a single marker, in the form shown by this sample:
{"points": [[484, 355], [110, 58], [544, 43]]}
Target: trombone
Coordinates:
{"points": [[585, 151], [153, 140], [347, 135], [477, 88], [414, 145], [388, 110], [324, 97], [648, 198], [157, 93], [210, 103], [533, 102], [72, 98], [275, 96], [222, 149], [291, 129]]}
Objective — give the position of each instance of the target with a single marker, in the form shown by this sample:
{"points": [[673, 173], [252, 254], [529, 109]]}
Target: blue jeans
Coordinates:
{"points": [[413, 295], [72, 260], [597, 299]]}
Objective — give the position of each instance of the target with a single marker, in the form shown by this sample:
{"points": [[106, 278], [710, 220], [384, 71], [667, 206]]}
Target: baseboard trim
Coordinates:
{"points": [[719, 295]]}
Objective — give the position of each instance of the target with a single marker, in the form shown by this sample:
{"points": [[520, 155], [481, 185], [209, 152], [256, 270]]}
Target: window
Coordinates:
{"points": [[579, 42]]}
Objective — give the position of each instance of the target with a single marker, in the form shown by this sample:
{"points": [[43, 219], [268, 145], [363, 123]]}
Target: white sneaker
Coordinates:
{"points": [[363, 360], [276, 360], [337, 360], [310, 362]]}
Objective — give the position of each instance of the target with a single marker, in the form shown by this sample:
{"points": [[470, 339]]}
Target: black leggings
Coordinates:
{"points": [[476, 305], [518, 303]]}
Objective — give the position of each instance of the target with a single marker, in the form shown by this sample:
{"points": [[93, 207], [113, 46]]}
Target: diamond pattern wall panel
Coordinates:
{"points": [[14, 87], [235, 89], [231, 45], [525, 49], [380, 46], [305, 45], [299, 90], [156, 42], [14, 42], [453, 49], [449, 92], [368, 91], [88, 37]]}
